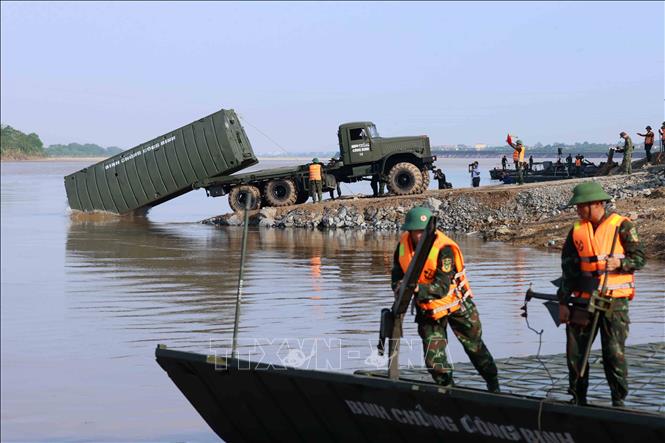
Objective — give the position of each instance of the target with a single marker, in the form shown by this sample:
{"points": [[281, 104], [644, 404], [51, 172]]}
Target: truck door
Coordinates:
{"points": [[359, 144]]}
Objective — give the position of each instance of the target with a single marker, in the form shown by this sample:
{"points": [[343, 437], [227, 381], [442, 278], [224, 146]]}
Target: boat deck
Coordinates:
{"points": [[547, 377]]}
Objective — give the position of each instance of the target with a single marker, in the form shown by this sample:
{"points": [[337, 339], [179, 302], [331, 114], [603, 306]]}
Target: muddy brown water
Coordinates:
{"points": [[86, 300]]}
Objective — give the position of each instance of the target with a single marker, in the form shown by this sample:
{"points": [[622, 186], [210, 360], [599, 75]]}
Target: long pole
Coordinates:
{"points": [[596, 314], [243, 251]]}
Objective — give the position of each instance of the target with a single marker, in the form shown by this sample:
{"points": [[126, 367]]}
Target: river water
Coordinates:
{"points": [[86, 301]]}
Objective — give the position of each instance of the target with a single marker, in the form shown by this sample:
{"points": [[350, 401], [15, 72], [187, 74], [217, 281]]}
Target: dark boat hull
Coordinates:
{"points": [[247, 401], [548, 171]]}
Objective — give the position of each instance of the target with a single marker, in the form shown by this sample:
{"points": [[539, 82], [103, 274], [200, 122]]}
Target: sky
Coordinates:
{"points": [[119, 74]]}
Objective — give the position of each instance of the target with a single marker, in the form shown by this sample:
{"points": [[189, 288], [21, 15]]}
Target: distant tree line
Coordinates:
{"points": [[575, 147], [78, 150], [16, 145]]}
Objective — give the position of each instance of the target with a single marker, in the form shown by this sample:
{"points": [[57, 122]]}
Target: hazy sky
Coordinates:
{"points": [[121, 73]]}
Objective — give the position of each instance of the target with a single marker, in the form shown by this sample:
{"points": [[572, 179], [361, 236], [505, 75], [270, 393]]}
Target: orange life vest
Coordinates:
{"points": [[594, 249], [459, 286], [519, 156], [648, 140], [578, 162], [315, 171]]}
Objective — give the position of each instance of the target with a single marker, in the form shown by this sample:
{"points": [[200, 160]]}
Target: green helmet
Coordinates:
{"points": [[519, 142], [416, 219], [588, 192], [315, 160]]}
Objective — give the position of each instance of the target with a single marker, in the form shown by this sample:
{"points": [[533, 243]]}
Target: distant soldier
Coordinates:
{"points": [[531, 162], [443, 298], [569, 163], [315, 180], [648, 142], [585, 256], [332, 163], [378, 185], [518, 157], [338, 189], [627, 163], [661, 131], [504, 163], [578, 164]]}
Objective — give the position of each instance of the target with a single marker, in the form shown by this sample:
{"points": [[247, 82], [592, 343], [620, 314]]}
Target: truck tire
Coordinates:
{"points": [[280, 192], [238, 195], [426, 177], [405, 178]]}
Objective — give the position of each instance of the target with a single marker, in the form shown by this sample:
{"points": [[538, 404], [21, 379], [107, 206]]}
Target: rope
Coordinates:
{"points": [[541, 403], [264, 134]]}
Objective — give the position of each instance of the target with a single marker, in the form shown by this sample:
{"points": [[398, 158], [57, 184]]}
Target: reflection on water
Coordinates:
{"points": [[85, 303], [179, 282]]}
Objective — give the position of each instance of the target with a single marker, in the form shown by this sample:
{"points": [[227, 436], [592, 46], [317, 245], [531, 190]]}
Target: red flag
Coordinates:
{"points": [[509, 140]]}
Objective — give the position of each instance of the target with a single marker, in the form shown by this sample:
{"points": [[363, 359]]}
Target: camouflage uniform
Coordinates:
{"points": [[316, 190], [464, 322], [626, 164], [613, 327]]}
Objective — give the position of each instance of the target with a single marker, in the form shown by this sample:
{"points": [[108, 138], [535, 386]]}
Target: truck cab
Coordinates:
{"points": [[395, 160], [355, 141], [360, 143]]}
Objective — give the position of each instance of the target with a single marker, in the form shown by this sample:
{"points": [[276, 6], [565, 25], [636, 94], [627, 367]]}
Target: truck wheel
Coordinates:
{"points": [[280, 192], [425, 186], [238, 197], [405, 178]]}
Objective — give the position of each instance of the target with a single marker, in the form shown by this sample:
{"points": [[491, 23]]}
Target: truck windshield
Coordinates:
{"points": [[373, 133]]}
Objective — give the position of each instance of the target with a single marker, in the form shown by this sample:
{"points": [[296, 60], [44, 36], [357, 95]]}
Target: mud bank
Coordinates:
{"points": [[534, 214]]}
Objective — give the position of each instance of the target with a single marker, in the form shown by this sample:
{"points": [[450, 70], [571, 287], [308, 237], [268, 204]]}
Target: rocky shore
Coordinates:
{"points": [[533, 214]]}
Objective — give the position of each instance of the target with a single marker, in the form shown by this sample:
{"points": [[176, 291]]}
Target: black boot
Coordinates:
{"points": [[493, 386], [493, 383], [579, 401]]}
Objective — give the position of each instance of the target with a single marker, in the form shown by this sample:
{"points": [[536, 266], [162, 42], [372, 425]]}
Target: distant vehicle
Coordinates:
{"points": [[403, 162]]}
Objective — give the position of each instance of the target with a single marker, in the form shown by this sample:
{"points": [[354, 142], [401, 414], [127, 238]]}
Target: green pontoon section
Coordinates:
{"points": [[249, 401], [162, 168]]}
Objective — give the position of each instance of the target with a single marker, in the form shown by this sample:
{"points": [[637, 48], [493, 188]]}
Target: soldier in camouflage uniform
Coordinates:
{"points": [[613, 325], [627, 163], [464, 322]]}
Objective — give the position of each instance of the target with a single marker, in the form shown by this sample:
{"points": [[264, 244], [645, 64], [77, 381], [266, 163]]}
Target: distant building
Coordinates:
{"points": [[480, 145]]}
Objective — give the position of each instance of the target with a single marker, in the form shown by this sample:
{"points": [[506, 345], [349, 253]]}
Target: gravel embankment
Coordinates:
{"points": [[534, 214]]}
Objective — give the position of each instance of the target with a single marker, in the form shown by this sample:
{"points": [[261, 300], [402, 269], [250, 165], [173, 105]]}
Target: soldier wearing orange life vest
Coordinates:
{"points": [[315, 180], [443, 298], [518, 157], [584, 259]]}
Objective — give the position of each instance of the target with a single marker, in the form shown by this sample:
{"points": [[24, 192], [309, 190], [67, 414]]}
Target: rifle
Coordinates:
{"points": [[551, 302], [391, 319], [598, 303]]}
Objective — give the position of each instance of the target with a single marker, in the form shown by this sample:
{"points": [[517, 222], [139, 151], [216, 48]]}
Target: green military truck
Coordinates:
{"points": [[402, 162], [163, 168], [206, 152]]}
